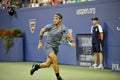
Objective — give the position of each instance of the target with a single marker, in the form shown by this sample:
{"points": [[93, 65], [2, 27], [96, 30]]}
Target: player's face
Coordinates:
{"points": [[94, 22], [56, 21]]}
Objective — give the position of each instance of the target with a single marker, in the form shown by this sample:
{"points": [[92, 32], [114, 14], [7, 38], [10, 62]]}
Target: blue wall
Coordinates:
{"points": [[15, 52], [78, 18]]}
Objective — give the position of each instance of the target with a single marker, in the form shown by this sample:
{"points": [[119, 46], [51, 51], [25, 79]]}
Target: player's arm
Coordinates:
{"points": [[41, 33], [41, 36], [70, 38], [101, 35]]}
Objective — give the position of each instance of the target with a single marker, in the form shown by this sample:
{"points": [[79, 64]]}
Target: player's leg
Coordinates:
{"points": [[47, 63], [35, 67], [95, 56], [100, 56], [101, 60], [54, 59]]}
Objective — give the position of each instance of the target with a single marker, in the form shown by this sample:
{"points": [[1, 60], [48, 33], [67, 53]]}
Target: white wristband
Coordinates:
{"points": [[69, 43]]}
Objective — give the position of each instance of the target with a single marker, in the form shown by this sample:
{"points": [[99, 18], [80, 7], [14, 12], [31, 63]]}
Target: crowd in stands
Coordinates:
{"points": [[4, 4]]}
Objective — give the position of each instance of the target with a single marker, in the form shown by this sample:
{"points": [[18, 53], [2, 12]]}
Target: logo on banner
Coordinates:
{"points": [[115, 67], [85, 11], [32, 25]]}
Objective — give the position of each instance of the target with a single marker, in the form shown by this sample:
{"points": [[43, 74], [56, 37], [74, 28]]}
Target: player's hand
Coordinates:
{"points": [[72, 44], [40, 44]]}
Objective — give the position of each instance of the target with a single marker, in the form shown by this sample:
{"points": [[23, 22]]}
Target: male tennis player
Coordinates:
{"points": [[54, 36]]}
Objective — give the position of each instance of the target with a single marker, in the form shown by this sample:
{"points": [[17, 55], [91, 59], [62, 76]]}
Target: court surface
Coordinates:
{"points": [[21, 71]]}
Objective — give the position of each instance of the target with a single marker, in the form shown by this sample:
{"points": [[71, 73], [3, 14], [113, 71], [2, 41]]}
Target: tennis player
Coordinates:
{"points": [[51, 47]]}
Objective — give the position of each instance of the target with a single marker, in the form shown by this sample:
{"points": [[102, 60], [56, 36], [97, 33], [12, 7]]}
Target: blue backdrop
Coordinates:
{"points": [[78, 18]]}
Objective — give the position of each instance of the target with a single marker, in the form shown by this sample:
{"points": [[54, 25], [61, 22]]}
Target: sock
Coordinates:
{"points": [[94, 64], [57, 75], [37, 66], [101, 65]]}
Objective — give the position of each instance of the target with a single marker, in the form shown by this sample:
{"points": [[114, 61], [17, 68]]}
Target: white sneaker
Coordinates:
{"points": [[94, 66], [100, 66]]}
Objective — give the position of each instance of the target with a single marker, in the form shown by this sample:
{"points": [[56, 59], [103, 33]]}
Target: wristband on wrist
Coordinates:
{"points": [[71, 41], [41, 38]]}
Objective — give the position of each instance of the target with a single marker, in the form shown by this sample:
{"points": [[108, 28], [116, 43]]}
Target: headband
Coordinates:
{"points": [[57, 16]]}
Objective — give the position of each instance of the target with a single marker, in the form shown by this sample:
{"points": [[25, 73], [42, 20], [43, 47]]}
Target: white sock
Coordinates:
{"points": [[95, 64], [100, 65]]}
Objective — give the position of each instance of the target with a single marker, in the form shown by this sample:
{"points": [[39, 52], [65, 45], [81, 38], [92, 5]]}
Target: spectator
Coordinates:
{"points": [[34, 3], [8, 4], [46, 3], [17, 3], [55, 2], [4, 4], [66, 1], [10, 8], [0, 4]]}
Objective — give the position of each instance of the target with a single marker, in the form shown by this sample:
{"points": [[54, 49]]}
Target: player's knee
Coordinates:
{"points": [[54, 58], [55, 61], [48, 65]]}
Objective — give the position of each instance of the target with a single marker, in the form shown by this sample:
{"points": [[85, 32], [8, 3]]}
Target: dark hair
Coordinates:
{"points": [[95, 18], [60, 15], [35, 2], [10, 2]]}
